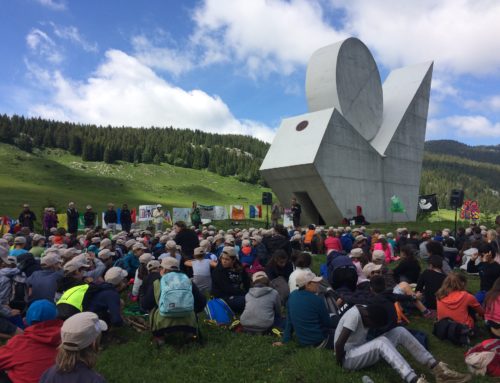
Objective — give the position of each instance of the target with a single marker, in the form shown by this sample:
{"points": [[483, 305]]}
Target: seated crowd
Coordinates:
{"points": [[62, 294]]}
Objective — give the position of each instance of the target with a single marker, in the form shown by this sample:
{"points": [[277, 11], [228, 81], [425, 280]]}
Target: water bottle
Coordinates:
{"points": [[367, 379]]}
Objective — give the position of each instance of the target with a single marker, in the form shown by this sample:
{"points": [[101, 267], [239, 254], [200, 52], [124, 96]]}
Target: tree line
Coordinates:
{"points": [[224, 154]]}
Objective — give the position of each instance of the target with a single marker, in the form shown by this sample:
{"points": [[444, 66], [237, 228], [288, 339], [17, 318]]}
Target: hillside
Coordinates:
{"points": [[53, 177], [481, 153]]}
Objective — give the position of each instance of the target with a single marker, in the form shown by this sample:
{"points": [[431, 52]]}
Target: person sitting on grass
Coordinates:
{"points": [[455, 303], [229, 281], [8, 272], [77, 355], [353, 352], [307, 316], [262, 306], [131, 261], [436, 248], [42, 284], [431, 281], [408, 269], [201, 266], [302, 265], [488, 269], [279, 266], [25, 357], [162, 323], [19, 247], [140, 274], [492, 309]]}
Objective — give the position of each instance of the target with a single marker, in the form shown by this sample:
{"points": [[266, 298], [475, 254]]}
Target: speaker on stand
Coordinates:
{"points": [[456, 201], [267, 199]]}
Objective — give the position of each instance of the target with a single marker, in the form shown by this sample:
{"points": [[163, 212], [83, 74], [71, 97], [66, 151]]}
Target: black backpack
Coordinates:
{"points": [[448, 329]]}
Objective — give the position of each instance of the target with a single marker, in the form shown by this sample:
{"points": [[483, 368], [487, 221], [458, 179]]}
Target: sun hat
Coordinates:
{"points": [[370, 268], [356, 253], [81, 330], [145, 258], [115, 275], [153, 264]]}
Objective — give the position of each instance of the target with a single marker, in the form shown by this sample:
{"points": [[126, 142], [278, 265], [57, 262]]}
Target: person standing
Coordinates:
{"points": [[158, 217], [126, 218], [275, 214], [49, 221], [89, 218], [72, 214], [110, 217], [296, 212], [195, 215], [27, 217]]}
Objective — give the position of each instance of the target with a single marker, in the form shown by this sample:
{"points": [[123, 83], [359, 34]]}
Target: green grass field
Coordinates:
{"points": [[236, 357]]}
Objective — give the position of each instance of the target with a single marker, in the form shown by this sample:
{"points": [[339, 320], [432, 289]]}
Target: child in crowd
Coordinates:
{"points": [[262, 306], [455, 303], [492, 309], [431, 280], [202, 276], [77, 356]]}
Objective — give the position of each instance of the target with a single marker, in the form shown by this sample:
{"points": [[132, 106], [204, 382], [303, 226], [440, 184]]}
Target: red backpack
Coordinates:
{"points": [[484, 358]]}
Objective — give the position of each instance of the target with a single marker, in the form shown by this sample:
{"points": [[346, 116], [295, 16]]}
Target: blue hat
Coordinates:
{"points": [[40, 311], [93, 249]]}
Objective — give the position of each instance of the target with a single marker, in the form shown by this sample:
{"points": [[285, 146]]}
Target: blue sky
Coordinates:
{"points": [[238, 66]]}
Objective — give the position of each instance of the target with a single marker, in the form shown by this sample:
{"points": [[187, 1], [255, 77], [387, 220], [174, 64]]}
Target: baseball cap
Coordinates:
{"points": [[153, 264], [169, 263], [51, 259], [360, 238], [470, 252], [199, 251], [41, 310], [304, 278], [145, 258], [105, 243], [171, 245], [81, 330], [74, 265], [130, 243], [378, 255], [38, 237], [230, 251], [138, 246], [20, 241], [115, 275], [4, 255], [258, 275], [105, 254], [370, 268], [356, 253]]}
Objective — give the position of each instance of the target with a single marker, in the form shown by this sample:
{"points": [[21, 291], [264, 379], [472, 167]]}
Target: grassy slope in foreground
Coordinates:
{"points": [[55, 177]]}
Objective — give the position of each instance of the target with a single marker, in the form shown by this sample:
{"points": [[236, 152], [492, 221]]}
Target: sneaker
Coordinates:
{"points": [[444, 374], [422, 379]]}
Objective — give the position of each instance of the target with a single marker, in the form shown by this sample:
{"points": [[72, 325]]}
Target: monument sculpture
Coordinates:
{"points": [[361, 142]]}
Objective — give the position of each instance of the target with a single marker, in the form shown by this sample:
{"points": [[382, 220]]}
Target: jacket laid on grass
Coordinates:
{"points": [[25, 357], [262, 305]]}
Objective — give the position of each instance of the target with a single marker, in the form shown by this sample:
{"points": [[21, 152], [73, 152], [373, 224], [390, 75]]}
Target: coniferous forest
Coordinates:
{"points": [[447, 164]]}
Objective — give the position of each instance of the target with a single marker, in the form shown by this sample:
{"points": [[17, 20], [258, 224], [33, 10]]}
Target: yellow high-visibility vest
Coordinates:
{"points": [[74, 296]]}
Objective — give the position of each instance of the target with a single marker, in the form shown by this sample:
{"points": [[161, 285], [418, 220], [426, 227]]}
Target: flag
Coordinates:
{"points": [[168, 218], [255, 211], [428, 203], [396, 205], [133, 214], [237, 212]]}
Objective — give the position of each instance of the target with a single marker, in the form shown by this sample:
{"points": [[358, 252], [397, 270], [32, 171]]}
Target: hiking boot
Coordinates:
{"points": [[444, 374], [422, 379]]}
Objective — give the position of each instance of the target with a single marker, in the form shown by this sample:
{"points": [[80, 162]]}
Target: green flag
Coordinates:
{"points": [[396, 205]]}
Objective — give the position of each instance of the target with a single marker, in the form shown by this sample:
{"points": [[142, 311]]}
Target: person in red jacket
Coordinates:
{"points": [[454, 302], [25, 357]]}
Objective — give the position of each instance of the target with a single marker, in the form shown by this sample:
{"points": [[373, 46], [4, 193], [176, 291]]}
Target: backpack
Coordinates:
{"points": [[219, 312], [176, 295], [484, 358], [19, 293], [448, 329]]}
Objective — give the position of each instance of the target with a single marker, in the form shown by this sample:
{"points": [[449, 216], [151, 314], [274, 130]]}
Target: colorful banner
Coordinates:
{"points": [[182, 214], [428, 203], [145, 213], [213, 213], [237, 212], [104, 226], [6, 224], [255, 211], [168, 218], [470, 210]]}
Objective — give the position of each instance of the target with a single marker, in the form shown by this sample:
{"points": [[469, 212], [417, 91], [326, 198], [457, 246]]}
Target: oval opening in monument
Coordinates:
{"points": [[301, 126]]}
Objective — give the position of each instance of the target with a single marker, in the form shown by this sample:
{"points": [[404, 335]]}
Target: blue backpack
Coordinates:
{"points": [[176, 295], [218, 311]]}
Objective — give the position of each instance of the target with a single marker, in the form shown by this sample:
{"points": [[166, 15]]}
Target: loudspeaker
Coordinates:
{"points": [[267, 198], [456, 198]]}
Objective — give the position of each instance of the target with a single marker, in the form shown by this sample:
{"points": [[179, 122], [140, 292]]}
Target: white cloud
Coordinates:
{"points": [[467, 126], [267, 36], [53, 4], [40, 43], [460, 35], [123, 91], [489, 104], [162, 58], [72, 34]]}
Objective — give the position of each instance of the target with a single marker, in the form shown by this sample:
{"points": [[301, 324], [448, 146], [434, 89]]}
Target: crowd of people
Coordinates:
{"points": [[63, 292]]}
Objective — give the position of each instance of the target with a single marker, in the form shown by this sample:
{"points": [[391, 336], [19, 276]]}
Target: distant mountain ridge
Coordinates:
{"points": [[481, 153]]}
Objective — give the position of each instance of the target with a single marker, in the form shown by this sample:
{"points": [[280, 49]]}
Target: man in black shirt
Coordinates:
{"points": [[126, 218], [111, 218], [72, 214], [27, 217], [296, 212]]}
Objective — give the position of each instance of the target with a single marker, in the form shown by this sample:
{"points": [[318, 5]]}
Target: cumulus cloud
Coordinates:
{"points": [[53, 4], [468, 126], [461, 35], [41, 44], [72, 34], [489, 104], [124, 91], [162, 58], [267, 36]]}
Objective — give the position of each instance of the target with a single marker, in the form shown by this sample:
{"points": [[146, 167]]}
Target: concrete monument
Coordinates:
{"points": [[361, 142]]}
